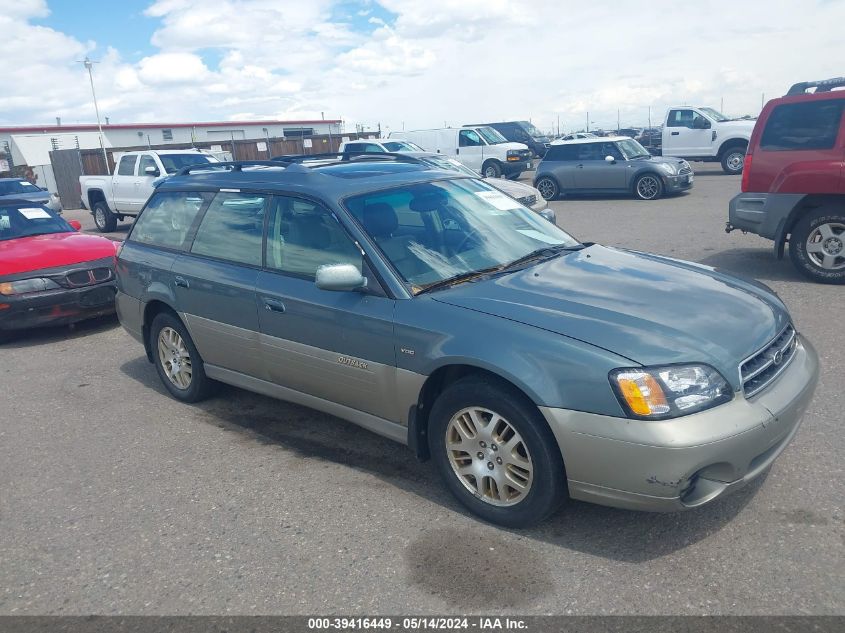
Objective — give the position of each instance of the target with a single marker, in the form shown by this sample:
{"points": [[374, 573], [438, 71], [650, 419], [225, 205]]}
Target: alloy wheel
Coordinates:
{"points": [[100, 218], [826, 246], [488, 456], [648, 187], [174, 358], [546, 188]]}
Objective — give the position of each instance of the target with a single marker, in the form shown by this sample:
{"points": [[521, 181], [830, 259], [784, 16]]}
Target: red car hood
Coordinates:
{"points": [[23, 254]]}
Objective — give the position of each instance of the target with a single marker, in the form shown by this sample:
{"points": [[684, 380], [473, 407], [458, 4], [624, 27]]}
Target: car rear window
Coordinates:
{"points": [[803, 126]]}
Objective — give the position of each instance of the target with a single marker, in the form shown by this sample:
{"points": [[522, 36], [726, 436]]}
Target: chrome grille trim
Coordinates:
{"points": [[759, 370], [528, 200]]}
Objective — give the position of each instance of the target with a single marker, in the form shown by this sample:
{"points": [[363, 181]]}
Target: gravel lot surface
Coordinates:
{"points": [[114, 498]]}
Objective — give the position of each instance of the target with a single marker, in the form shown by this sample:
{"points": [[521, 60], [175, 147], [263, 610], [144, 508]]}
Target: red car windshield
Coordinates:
{"points": [[23, 220]]}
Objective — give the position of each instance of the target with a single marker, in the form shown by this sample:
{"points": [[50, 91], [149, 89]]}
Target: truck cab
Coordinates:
{"points": [[705, 134]]}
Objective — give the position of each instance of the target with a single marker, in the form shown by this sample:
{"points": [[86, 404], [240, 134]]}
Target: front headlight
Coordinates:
{"points": [[23, 286], [667, 169], [657, 393]]}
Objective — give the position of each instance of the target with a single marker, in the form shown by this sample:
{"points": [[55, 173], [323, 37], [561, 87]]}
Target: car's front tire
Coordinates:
{"points": [[177, 360], [817, 246], [733, 159], [648, 187], [548, 188], [492, 169], [496, 453], [104, 219]]}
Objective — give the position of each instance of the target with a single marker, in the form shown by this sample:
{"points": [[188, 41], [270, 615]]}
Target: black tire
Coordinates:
{"points": [[807, 263], [733, 159], [550, 189], [491, 169], [104, 219], [200, 386], [648, 187], [548, 488]]}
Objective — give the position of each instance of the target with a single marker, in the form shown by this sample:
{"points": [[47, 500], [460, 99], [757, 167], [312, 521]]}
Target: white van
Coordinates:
{"points": [[478, 147]]}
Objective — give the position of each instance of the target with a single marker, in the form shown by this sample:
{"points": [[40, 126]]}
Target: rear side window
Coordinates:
{"points": [[560, 152], [803, 126], [232, 228], [126, 166], [167, 218]]}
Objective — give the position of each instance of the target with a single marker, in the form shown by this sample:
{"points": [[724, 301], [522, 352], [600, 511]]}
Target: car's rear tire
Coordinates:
{"points": [[104, 219], [483, 425], [648, 187], [491, 169], [733, 159], [817, 246], [548, 187], [177, 361]]}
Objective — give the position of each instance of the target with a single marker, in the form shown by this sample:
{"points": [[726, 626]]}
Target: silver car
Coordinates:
{"points": [[610, 165]]}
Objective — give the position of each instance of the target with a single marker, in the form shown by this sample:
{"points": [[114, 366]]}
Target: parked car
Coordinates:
{"points": [[49, 273], [521, 132], [705, 134], [651, 139], [20, 189], [121, 195], [430, 308], [380, 145], [793, 186], [480, 148], [630, 132], [577, 135], [609, 165]]}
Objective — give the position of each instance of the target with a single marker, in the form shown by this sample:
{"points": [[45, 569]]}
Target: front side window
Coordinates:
{"points": [[126, 166], [232, 228], [590, 151], [174, 162], [434, 231], [803, 126], [302, 236], [147, 161], [610, 149], [167, 218], [468, 138], [29, 219], [683, 118]]}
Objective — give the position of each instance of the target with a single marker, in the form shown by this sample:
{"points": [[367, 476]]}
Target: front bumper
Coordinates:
{"points": [[56, 307], [516, 166], [687, 462], [675, 184]]}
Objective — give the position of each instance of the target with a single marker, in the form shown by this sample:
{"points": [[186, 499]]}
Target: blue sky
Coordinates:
{"points": [[407, 61]]}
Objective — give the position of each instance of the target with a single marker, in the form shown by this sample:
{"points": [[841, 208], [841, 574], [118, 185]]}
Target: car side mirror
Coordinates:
{"points": [[151, 171], [341, 277], [75, 225], [609, 159]]}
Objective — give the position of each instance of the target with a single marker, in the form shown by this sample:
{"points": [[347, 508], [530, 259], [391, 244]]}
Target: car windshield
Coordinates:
{"points": [[26, 220], [493, 137], [10, 187], [402, 146], [174, 162], [531, 129], [450, 164], [632, 149], [447, 230], [714, 114]]}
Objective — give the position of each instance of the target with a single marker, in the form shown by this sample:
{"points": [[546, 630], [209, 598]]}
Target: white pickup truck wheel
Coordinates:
{"points": [[733, 160], [104, 219]]}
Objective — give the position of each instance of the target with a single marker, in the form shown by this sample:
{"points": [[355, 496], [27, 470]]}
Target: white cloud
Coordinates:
{"points": [[423, 63]]}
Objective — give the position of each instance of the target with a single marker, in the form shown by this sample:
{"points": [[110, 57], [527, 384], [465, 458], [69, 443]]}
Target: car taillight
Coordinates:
{"points": [[746, 172]]}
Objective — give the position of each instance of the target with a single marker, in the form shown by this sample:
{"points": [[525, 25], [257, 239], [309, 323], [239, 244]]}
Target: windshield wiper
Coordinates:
{"points": [[547, 252], [458, 279]]}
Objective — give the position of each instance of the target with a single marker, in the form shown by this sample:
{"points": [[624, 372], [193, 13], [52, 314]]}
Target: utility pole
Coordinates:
{"points": [[88, 65], [618, 126], [558, 125], [588, 121]]}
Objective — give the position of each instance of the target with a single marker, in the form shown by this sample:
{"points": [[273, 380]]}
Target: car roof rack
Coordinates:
{"points": [[233, 165], [823, 85], [344, 157]]}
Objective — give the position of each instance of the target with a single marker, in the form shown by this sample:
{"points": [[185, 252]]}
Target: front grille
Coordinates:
{"points": [[528, 200], [758, 371], [686, 169], [80, 278]]}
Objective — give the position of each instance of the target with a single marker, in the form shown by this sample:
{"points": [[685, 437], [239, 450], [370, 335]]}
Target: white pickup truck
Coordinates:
{"points": [[704, 134], [113, 198]]}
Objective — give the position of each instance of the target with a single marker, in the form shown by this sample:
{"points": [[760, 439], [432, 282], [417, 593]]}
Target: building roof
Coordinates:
{"points": [[140, 126]]}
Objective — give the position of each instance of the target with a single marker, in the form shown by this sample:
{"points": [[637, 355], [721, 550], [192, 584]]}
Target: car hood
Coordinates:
{"points": [[738, 126], [511, 187], [511, 145], [35, 196], [24, 254], [649, 309]]}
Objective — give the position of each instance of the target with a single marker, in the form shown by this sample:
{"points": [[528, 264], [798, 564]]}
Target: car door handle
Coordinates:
{"points": [[675, 133], [181, 282], [274, 305]]}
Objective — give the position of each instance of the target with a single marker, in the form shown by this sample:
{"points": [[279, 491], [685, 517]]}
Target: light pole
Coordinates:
{"points": [[88, 65]]}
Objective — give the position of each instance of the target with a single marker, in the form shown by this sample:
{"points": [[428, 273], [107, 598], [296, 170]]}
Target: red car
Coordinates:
{"points": [[49, 273], [793, 184]]}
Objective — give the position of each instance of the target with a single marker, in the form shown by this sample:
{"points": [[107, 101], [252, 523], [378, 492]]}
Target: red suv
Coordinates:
{"points": [[793, 184]]}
